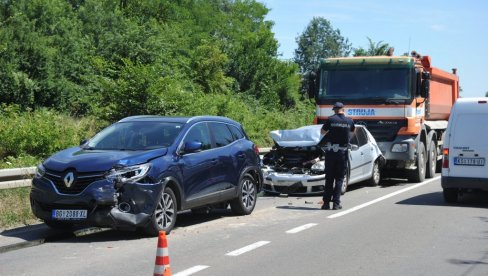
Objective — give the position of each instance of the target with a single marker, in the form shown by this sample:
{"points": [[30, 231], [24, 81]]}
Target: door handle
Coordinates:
{"points": [[241, 156], [214, 161]]}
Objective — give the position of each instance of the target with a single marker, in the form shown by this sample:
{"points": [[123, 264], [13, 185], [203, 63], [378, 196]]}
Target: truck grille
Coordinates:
{"points": [[80, 183]]}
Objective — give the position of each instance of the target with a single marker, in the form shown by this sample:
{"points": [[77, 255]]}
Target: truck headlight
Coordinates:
{"points": [[399, 148], [129, 174], [40, 171], [319, 166]]}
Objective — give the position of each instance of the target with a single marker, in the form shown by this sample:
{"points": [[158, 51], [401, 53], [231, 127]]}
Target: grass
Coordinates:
{"points": [[15, 208]]}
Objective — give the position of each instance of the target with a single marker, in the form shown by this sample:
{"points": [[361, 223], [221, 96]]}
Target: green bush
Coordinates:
{"points": [[33, 135]]}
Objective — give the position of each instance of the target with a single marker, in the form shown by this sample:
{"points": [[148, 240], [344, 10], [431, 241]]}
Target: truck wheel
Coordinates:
{"points": [[376, 175], [418, 175], [431, 161], [245, 202], [164, 217], [450, 195]]}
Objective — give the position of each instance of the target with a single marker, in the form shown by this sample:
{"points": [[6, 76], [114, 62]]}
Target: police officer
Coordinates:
{"points": [[338, 130]]}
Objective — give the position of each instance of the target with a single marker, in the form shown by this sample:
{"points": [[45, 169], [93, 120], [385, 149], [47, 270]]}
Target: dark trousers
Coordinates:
{"points": [[335, 169]]}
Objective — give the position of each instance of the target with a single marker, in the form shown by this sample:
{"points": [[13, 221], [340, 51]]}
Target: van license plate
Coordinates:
{"points": [[466, 161], [69, 214]]}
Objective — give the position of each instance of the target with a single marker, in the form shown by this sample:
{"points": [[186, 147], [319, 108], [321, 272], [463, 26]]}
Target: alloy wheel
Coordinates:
{"points": [[165, 211]]}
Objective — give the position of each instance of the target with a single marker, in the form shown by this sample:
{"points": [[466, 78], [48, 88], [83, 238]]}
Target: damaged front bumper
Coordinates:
{"points": [[288, 183], [127, 208]]}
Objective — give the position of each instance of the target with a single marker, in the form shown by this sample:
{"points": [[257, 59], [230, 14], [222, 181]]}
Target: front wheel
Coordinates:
{"points": [[164, 217], [418, 175], [376, 175], [245, 202]]}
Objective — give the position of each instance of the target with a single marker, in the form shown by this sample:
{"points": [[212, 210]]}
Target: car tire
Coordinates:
{"points": [[245, 202], [376, 175], [60, 225], [418, 175], [345, 183], [451, 195], [164, 216], [431, 161]]}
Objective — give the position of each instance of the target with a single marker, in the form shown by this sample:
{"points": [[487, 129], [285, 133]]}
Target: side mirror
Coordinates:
{"points": [[312, 84], [83, 141], [425, 89], [192, 147]]}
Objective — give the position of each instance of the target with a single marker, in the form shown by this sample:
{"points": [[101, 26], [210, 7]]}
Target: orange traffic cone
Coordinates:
{"points": [[162, 267]]}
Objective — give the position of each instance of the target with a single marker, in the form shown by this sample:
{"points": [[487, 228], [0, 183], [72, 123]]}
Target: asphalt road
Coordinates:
{"points": [[396, 229]]}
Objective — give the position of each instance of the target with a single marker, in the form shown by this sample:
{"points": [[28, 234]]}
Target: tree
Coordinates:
{"points": [[318, 40], [374, 49]]}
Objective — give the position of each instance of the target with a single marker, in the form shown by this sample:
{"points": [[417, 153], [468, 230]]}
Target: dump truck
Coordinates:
{"points": [[404, 102]]}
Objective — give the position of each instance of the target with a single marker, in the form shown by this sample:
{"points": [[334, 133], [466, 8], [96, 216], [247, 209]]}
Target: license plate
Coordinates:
{"points": [[69, 214], [466, 161]]}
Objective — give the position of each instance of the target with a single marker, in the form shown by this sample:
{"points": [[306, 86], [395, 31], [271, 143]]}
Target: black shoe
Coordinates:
{"points": [[337, 207], [325, 206]]}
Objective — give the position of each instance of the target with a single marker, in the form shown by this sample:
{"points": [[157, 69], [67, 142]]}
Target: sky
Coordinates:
{"points": [[454, 33]]}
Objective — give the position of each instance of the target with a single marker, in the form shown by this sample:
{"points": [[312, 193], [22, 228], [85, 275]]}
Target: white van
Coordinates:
{"points": [[465, 148]]}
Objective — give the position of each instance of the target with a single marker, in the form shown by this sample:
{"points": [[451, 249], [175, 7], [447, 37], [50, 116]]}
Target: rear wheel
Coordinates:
{"points": [[376, 175], [431, 161], [245, 202], [164, 217], [418, 175], [451, 195]]}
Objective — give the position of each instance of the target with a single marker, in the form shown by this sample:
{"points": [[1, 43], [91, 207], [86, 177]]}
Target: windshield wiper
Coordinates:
{"points": [[395, 101]]}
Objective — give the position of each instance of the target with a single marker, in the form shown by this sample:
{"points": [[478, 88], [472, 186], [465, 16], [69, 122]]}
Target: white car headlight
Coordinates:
{"points": [[40, 171], [129, 174], [399, 148], [319, 166]]}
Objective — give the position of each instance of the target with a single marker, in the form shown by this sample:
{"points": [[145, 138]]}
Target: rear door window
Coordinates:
{"points": [[469, 130], [236, 132], [221, 134]]}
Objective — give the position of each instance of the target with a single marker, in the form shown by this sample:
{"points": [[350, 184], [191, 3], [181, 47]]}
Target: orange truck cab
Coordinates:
{"points": [[403, 101]]}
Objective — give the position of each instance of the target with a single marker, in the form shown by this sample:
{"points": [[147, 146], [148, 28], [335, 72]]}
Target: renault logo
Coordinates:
{"points": [[68, 179]]}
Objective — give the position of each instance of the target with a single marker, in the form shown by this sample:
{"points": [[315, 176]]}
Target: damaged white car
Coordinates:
{"points": [[296, 163]]}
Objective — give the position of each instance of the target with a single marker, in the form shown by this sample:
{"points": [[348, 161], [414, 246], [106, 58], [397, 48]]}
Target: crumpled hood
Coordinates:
{"points": [[98, 160], [300, 137]]}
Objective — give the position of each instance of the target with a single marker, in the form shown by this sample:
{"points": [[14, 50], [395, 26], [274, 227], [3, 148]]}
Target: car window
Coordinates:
{"points": [[361, 135], [236, 132], [199, 133], [135, 136], [354, 138], [222, 134]]}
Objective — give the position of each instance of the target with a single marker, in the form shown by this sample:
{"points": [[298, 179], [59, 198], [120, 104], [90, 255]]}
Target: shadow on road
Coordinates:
{"points": [[473, 200]]}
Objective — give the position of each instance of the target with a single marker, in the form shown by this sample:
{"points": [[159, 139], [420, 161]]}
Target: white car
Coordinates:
{"points": [[295, 165], [465, 149]]}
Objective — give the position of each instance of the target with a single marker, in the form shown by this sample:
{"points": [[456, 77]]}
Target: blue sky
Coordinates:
{"points": [[453, 33]]}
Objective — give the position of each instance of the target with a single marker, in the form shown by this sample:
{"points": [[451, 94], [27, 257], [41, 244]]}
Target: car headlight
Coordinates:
{"points": [[399, 148], [319, 166], [129, 174], [40, 171]]}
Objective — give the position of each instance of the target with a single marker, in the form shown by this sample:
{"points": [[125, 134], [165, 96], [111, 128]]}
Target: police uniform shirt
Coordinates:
{"points": [[339, 127]]}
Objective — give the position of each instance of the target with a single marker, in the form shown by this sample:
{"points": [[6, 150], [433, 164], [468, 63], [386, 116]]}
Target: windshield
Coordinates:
{"points": [[371, 83], [135, 136]]}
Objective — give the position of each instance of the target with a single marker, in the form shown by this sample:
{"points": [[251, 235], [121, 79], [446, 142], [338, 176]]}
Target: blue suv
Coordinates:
{"points": [[142, 170]]}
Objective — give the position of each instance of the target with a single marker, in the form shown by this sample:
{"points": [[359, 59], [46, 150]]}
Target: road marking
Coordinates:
{"points": [[340, 214], [192, 270], [247, 248], [301, 228]]}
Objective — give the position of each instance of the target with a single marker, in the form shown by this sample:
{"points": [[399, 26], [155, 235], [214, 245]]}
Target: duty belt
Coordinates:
{"points": [[334, 147]]}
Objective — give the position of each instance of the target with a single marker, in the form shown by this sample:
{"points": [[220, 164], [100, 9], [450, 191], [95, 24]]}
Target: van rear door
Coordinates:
{"points": [[468, 149]]}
